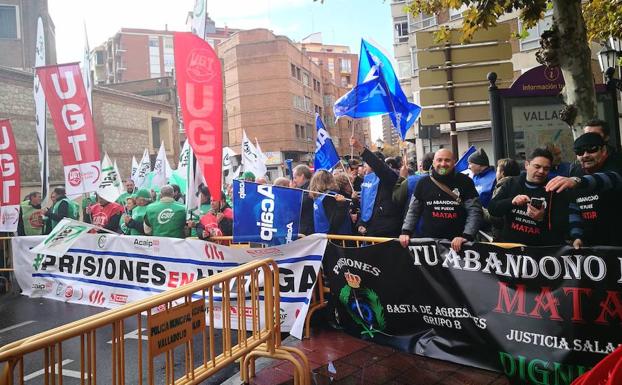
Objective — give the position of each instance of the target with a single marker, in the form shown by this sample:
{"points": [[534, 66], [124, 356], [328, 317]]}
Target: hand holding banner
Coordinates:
{"points": [[265, 214]]}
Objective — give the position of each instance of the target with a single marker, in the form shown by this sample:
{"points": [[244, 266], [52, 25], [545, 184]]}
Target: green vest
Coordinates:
{"points": [[138, 214], [123, 197], [32, 219], [73, 210], [167, 219]]}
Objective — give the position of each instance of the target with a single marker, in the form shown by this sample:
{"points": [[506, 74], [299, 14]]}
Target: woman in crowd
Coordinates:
{"points": [[330, 209]]}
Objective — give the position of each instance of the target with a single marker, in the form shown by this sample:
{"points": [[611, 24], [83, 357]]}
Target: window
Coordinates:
{"points": [[331, 67], [154, 57], [155, 132], [422, 21], [308, 104], [309, 131], [455, 14], [293, 68], [404, 68], [299, 103], [169, 57], [414, 63], [9, 22], [346, 65], [400, 32], [305, 79], [99, 57], [532, 40], [298, 73]]}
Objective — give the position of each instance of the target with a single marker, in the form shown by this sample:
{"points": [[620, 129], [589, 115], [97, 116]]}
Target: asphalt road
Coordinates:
{"points": [[22, 317]]}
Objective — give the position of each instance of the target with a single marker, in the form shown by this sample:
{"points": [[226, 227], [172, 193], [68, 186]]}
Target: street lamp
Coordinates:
{"points": [[379, 144], [608, 60]]}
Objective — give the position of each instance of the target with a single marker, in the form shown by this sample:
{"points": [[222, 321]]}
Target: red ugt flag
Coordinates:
{"points": [[199, 86], [69, 107], [9, 178]]}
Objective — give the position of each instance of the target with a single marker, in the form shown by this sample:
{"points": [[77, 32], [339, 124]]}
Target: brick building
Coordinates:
{"points": [[18, 33], [136, 54], [125, 124]]}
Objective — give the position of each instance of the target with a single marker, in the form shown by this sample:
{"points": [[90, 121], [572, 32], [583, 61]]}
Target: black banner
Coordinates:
{"points": [[541, 315]]}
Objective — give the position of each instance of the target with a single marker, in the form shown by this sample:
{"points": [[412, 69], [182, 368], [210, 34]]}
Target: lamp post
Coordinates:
{"points": [[608, 60], [379, 144]]}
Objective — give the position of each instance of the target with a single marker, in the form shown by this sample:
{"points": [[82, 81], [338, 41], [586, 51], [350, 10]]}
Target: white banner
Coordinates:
{"points": [[108, 270], [140, 177], [251, 159]]}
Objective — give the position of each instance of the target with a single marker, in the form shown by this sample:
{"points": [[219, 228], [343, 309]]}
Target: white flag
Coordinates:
{"points": [[86, 70], [180, 176], [134, 167], [140, 179], [42, 144], [110, 184], [199, 18], [227, 165], [62, 237], [262, 156], [251, 160], [161, 169], [121, 186], [195, 178]]}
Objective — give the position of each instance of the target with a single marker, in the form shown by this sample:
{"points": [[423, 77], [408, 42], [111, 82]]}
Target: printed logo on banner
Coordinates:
{"points": [[97, 297], [60, 289], [101, 241], [74, 177], [363, 305], [201, 66], [165, 216], [212, 252], [118, 298], [45, 287], [10, 217], [265, 253], [69, 292], [36, 263], [153, 244]]}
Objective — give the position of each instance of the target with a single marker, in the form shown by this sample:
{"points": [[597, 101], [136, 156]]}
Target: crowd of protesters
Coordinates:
{"points": [[545, 202]]}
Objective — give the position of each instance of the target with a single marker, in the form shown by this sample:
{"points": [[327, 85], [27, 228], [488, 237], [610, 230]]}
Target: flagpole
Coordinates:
{"points": [[345, 172]]}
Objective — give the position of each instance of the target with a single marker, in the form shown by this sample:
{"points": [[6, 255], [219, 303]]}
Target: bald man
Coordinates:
{"points": [[447, 204]]}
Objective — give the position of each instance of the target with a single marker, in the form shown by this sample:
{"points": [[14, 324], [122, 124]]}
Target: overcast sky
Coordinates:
{"points": [[340, 21]]}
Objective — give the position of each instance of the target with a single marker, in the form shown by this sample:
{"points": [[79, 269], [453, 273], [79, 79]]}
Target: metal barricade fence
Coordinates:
{"points": [[177, 335]]}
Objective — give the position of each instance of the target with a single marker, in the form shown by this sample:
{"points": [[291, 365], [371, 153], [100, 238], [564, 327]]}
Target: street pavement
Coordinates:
{"points": [[21, 317]]}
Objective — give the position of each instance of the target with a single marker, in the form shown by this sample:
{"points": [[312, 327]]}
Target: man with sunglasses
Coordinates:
{"points": [[596, 177]]}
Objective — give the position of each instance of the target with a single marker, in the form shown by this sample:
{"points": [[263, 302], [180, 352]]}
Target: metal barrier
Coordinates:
{"points": [[174, 319], [6, 269]]}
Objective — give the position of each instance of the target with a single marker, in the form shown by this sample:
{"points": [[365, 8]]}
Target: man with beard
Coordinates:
{"points": [[447, 204], [129, 187], [596, 179], [30, 216], [533, 216]]}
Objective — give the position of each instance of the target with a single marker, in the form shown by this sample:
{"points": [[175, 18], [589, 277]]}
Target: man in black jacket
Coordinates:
{"points": [[532, 216], [597, 178], [380, 216], [301, 178], [447, 204]]}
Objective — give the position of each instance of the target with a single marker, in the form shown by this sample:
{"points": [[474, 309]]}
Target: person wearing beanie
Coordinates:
{"points": [[596, 178], [135, 221], [484, 176]]}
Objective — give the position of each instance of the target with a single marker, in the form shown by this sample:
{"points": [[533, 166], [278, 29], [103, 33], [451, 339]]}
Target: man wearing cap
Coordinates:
{"points": [[380, 216], [484, 176], [165, 218], [135, 222], [447, 204], [596, 178]]}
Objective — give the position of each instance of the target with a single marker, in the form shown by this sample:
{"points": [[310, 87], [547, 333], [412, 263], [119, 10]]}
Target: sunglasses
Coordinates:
{"points": [[589, 150]]}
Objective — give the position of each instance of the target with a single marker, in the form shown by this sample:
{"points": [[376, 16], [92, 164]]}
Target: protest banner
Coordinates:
{"points": [[265, 213], [65, 234], [539, 315], [71, 114], [10, 179], [108, 271]]}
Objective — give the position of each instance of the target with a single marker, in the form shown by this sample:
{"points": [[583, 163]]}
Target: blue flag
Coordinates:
{"points": [[264, 213], [288, 163], [326, 156], [463, 162], [378, 92]]}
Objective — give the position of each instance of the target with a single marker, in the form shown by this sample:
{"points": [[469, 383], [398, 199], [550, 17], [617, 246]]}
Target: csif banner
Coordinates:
{"points": [[69, 108], [10, 178], [539, 315], [110, 270], [199, 86], [265, 213]]}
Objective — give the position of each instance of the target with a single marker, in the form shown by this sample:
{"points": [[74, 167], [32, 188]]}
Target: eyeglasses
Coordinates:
{"points": [[589, 150]]}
